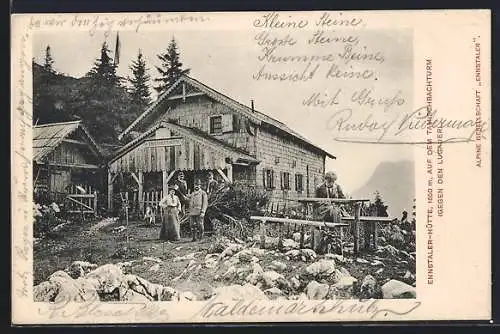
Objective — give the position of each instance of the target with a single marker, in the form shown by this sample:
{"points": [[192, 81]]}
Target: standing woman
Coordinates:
{"points": [[170, 225]]}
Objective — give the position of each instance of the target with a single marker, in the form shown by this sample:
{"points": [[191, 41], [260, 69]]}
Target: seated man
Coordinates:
{"points": [[329, 189]]}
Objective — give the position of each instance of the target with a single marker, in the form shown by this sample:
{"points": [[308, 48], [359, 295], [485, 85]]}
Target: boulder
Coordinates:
{"points": [[321, 269], [368, 287], [240, 292], [231, 250], [296, 236], [153, 259], [345, 282], [149, 290], [289, 244], [134, 297], [277, 266], [154, 268], [295, 283], [395, 289], [187, 296], [315, 290], [61, 287], [301, 254], [388, 251], [108, 276], [271, 278], [338, 258], [80, 268]]}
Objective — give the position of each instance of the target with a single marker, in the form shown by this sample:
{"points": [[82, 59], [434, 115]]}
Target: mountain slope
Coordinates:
{"points": [[396, 184]]}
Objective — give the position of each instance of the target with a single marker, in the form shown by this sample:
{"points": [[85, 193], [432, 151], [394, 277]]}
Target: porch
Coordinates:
{"points": [[148, 165]]}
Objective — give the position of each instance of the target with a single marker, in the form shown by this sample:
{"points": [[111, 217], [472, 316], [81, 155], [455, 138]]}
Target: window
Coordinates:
{"points": [[268, 178], [285, 180], [216, 124], [299, 182]]}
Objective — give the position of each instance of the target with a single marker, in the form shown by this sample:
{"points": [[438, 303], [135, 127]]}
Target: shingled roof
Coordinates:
{"points": [[254, 115], [46, 137]]}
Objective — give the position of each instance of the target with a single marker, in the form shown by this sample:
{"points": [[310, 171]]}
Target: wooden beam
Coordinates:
{"points": [[140, 191], [170, 175], [183, 92], [223, 175], [111, 178], [79, 203], [176, 97], [73, 141], [332, 200], [83, 166], [296, 221], [135, 178], [357, 211]]}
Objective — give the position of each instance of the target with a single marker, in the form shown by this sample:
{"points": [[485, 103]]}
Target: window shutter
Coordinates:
{"points": [[264, 178], [272, 179], [282, 180], [227, 123]]}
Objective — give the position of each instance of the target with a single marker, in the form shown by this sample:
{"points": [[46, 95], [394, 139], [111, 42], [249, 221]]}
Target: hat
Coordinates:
{"points": [[197, 182], [174, 187], [330, 175]]}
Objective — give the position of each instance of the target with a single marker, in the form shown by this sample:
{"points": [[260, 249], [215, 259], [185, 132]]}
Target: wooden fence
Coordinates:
{"points": [[81, 199]]}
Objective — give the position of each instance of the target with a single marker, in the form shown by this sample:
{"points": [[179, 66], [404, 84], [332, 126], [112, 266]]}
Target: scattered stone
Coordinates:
{"points": [[289, 244], [273, 293], [271, 277], [295, 283], [80, 268], [190, 256], [187, 296], [388, 250], [359, 260], [231, 250], [315, 290], [338, 258], [177, 248], [277, 266], [118, 229], [321, 269], [154, 268], [345, 282], [395, 289], [240, 292], [296, 236], [379, 271], [108, 276], [377, 263], [368, 287], [154, 259]]}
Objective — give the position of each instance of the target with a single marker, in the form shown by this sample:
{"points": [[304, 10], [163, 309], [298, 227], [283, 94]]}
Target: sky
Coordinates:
{"points": [[226, 60]]}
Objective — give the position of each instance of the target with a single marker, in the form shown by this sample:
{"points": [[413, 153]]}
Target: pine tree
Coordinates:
{"points": [[378, 208], [49, 61], [171, 68], [104, 71], [140, 91]]}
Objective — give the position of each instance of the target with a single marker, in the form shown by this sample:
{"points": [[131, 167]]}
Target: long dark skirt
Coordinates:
{"points": [[170, 225]]}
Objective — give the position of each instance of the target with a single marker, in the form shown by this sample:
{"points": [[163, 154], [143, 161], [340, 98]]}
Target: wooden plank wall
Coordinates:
{"points": [[187, 154]]}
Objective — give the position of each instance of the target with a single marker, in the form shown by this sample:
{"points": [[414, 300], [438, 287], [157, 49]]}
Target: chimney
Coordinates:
{"points": [[252, 105]]}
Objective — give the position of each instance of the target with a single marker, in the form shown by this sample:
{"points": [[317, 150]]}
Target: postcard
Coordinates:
{"points": [[275, 166]]}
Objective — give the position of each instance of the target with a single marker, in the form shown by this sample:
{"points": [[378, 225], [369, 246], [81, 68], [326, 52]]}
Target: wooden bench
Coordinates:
{"points": [[315, 224]]}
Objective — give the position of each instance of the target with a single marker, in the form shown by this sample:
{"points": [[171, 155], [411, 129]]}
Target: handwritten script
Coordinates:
{"points": [[359, 79]]}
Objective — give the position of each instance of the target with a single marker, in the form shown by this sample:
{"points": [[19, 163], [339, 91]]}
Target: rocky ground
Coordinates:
{"points": [[94, 260]]}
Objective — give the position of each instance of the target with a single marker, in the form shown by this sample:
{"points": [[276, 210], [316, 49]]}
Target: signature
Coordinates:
{"points": [[342, 121], [370, 308]]}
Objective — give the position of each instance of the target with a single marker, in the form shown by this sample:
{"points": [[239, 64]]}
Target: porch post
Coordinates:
{"points": [[229, 168], [140, 195], [110, 191], [164, 183]]}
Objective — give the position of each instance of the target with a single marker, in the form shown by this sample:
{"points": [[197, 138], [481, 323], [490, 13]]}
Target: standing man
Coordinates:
{"points": [[198, 203], [212, 184], [182, 190]]}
